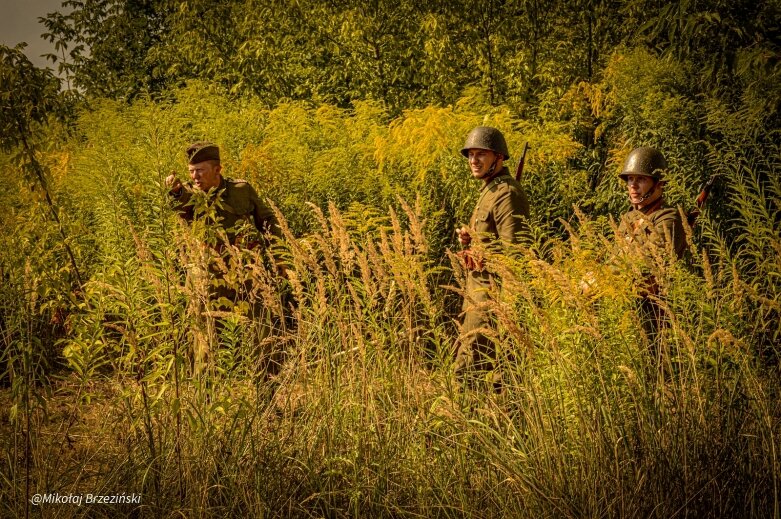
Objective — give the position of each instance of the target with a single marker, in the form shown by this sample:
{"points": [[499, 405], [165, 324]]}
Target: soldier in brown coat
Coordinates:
{"points": [[650, 229], [231, 205], [235, 201], [499, 218]]}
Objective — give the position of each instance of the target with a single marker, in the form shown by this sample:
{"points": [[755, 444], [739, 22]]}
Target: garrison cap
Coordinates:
{"points": [[202, 151]]}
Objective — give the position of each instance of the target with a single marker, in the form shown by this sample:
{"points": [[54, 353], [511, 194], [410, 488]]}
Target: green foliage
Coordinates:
{"points": [[28, 98], [713, 34], [101, 45], [403, 53]]}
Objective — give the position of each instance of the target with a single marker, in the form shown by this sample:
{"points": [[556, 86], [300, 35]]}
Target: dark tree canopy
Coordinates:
{"points": [[404, 53]]}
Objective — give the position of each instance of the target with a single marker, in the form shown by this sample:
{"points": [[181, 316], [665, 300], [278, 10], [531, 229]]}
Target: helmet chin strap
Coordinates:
{"points": [[490, 172], [649, 193]]}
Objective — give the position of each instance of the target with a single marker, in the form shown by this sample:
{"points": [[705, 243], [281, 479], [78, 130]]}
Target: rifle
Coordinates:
{"points": [[519, 169], [702, 198]]}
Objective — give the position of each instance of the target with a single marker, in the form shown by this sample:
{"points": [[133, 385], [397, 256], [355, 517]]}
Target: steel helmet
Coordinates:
{"points": [[645, 161], [486, 138]]}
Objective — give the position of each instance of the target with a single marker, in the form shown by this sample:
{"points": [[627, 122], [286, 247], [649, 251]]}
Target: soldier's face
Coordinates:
{"points": [[480, 162], [205, 175], [642, 190]]}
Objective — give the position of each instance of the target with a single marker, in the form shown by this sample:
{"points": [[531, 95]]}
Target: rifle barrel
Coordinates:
{"points": [[519, 169]]}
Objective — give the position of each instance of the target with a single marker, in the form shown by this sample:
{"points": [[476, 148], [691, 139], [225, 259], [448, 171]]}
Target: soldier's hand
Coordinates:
{"points": [[174, 183], [463, 236]]}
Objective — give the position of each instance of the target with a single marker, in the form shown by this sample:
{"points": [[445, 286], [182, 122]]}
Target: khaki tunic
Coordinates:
{"points": [[238, 202], [500, 214], [655, 231]]}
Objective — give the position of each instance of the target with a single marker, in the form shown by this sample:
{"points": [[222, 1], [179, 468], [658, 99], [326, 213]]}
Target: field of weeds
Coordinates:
{"points": [[338, 399]]}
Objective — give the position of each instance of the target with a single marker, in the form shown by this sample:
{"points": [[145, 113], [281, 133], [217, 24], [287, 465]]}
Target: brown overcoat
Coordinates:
{"points": [[499, 218]]}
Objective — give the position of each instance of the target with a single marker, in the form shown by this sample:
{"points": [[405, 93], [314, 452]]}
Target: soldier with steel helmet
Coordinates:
{"points": [[499, 217], [651, 230], [650, 225]]}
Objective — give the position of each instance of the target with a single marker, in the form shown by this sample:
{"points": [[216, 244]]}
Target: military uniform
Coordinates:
{"points": [[229, 205], [237, 202], [499, 218], [654, 230], [500, 214], [234, 202], [496, 214]]}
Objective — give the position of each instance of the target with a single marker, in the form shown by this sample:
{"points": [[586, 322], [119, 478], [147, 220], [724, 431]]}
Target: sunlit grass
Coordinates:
{"points": [[135, 383]]}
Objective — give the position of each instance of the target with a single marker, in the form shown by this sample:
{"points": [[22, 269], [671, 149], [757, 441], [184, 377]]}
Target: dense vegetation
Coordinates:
{"points": [[349, 116]]}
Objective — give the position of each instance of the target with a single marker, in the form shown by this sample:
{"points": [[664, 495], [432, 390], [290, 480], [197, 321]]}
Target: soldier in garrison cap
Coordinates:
{"points": [[229, 204], [237, 199], [500, 217], [650, 229]]}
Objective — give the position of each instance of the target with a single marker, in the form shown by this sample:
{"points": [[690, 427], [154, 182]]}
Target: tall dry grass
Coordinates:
{"points": [[138, 383], [364, 418]]}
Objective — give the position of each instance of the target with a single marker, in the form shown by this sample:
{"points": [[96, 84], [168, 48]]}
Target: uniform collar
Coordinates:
{"points": [[649, 209], [497, 178], [652, 207], [220, 189]]}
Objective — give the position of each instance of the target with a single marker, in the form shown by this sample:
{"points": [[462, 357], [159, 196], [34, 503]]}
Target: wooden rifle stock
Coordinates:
{"points": [[702, 198]]}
